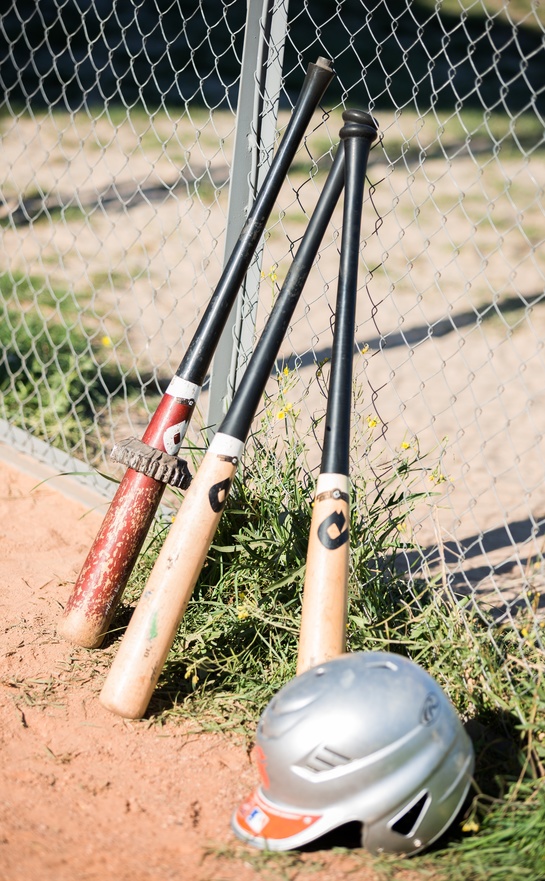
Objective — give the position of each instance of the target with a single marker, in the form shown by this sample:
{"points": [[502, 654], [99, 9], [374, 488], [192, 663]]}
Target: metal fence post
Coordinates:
{"points": [[257, 111]]}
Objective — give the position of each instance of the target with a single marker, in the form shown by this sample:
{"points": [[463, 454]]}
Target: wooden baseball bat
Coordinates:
{"points": [[153, 462], [323, 617], [149, 636]]}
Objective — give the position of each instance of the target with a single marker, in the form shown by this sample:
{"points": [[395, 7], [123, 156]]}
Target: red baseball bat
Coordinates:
{"points": [[151, 631], [153, 462], [323, 618]]}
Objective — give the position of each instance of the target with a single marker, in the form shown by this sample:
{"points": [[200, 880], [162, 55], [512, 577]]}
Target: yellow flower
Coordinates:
{"points": [[281, 414], [242, 614], [372, 422], [470, 826], [286, 371], [106, 341], [405, 446]]}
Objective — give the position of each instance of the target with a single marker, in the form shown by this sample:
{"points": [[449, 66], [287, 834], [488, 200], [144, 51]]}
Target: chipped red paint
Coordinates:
{"points": [[104, 575]]}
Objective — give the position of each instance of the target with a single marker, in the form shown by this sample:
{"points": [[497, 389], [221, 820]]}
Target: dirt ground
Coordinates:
{"points": [[85, 794]]}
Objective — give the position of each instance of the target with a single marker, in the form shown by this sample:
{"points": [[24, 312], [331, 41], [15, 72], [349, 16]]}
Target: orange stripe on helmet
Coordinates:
{"points": [[260, 819]]}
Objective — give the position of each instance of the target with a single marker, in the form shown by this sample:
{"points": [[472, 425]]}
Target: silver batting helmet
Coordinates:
{"points": [[367, 737]]}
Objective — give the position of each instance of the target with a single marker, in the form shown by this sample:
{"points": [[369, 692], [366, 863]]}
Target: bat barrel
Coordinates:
{"points": [[358, 133], [143, 650], [99, 587]]}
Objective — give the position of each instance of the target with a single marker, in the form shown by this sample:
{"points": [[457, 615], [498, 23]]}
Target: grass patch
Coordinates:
{"points": [[55, 379]]}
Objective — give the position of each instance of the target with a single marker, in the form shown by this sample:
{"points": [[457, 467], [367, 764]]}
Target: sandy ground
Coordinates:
{"points": [[87, 795]]}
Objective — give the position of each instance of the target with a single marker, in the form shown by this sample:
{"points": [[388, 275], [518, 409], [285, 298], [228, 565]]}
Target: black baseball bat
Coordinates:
{"points": [[324, 611]]}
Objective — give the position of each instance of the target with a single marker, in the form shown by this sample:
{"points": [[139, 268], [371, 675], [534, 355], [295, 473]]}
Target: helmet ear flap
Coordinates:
{"points": [[426, 817], [400, 834]]}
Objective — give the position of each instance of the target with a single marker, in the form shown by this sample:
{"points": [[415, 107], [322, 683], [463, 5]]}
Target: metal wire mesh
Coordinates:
{"points": [[118, 127]]}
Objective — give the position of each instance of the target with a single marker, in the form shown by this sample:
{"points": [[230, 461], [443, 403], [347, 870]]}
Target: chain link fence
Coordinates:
{"points": [[118, 128]]}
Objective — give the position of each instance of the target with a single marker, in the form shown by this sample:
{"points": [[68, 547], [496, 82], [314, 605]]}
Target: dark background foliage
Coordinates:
{"points": [[173, 51]]}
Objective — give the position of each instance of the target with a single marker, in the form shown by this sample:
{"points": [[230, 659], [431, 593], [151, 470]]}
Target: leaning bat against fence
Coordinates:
{"points": [[323, 619], [153, 462], [151, 631]]}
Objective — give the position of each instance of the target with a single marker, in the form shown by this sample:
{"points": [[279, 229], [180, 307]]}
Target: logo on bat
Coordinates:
{"points": [[336, 522], [173, 437], [217, 494]]}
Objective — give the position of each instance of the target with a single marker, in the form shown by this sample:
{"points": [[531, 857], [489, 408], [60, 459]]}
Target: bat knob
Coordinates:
{"points": [[359, 123], [360, 116]]}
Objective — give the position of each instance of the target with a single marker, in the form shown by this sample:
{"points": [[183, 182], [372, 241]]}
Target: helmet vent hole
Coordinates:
{"points": [[407, 822], [325, 759]]}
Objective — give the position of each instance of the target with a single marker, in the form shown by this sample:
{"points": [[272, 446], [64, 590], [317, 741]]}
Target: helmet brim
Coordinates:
{"points": [[267, 826]]}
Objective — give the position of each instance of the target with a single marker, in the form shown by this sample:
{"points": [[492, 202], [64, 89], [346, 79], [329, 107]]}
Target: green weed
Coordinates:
{"points": [[51, 378]]}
